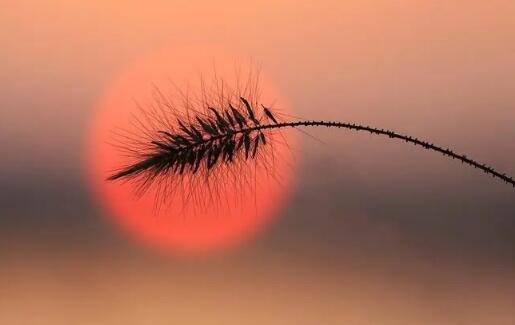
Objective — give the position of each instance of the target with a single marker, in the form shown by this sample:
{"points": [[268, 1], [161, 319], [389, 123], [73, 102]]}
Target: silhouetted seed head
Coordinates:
{"points": [[206, 140], [194, 146]]}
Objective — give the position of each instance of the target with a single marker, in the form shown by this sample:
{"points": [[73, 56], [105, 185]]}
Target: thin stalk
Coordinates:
{"points": [[357, 127]]}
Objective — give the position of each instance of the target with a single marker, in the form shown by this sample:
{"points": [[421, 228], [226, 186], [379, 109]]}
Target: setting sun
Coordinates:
{"points": [[175, 225]]}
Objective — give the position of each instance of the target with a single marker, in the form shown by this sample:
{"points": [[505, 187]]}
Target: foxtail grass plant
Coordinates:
{"points": [[221, 135]]}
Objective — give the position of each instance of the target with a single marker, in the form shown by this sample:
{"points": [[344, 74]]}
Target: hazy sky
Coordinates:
{"points": [[374, 232]]}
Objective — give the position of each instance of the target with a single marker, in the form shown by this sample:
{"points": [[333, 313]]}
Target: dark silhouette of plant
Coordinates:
{"points": [[222, 137]]}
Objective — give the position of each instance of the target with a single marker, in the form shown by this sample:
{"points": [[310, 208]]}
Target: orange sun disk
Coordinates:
{"points": [[175, 228]]}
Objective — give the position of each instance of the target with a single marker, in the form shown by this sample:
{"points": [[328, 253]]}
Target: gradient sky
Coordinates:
{"points": [[375, 232]]}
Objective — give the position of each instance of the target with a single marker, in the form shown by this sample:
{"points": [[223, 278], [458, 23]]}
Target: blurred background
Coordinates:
{"points": [[376, 233]]}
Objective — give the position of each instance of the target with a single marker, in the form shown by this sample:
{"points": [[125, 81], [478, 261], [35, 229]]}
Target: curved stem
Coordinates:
{"points": [[391, 134]]}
